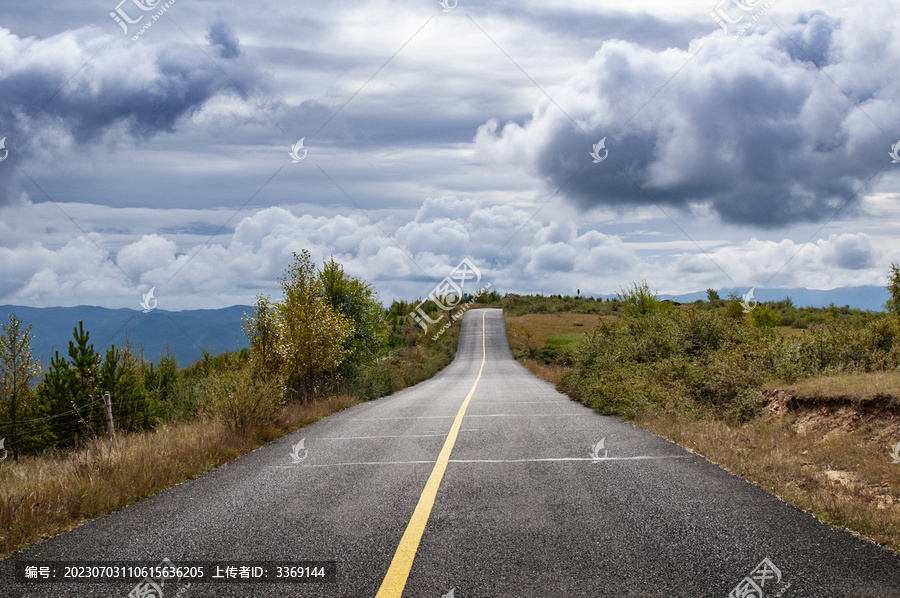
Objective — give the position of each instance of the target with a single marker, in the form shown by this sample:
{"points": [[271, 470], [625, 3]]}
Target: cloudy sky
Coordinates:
{"points": [[745, 144]]}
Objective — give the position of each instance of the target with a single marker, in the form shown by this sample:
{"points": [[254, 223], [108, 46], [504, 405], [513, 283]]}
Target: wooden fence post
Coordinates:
{"points": [[107, 403]]}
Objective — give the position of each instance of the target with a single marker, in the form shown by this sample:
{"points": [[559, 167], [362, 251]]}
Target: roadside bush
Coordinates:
{"points": [[764, 318], [745, 406], [550, 355], [671, 361], [712, 357], [788, 317], [884, 334], [638, 300], [372, 381], [701, 331], [243, 401], [724, 377], [404, 367], [734, 310]]}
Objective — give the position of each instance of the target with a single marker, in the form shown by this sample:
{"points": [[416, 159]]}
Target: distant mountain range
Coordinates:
{"points": [[186, 332]]}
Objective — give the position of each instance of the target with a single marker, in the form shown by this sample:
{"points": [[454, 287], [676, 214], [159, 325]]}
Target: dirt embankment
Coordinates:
{"points": [[876, 415], [870, 421]]}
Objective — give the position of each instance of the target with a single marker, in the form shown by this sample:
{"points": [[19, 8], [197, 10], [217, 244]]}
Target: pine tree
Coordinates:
{"points": [[55, 393], [86, 371]]}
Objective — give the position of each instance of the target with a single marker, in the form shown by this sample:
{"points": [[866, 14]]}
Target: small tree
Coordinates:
{"points": [[893, 287], [712, 295], [302, 338], [86, 369], [261, 329], [126, 376], [17, 370], [54, 394], [311, 332], [356, 300]]}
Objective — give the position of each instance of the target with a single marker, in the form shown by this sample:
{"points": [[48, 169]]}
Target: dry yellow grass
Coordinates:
{"points": [[44, 496], [875, 386]]}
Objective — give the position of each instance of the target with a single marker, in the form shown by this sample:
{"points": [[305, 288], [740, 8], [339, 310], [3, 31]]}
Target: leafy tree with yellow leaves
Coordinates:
{"points": [[303, 337]]}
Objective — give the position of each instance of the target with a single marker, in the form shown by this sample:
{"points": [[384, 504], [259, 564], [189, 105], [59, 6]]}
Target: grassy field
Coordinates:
{"points": [[821, 444], [533, 330]]}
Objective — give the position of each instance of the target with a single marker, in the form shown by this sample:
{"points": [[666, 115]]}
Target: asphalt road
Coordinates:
{"points": [[527, 505]]}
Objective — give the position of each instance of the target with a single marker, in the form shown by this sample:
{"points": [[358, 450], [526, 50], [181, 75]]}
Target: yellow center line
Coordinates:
{"points": [[401, 564]]}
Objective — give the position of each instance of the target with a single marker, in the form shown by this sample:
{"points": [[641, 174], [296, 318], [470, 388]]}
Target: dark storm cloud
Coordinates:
{"points": [[179, 81], [751, 129], [221, 35], [141, 89]]}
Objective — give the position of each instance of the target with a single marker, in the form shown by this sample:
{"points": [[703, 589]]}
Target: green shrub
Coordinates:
{"points": [[724, 377], [800, 324], [242, 400], [638, 300], [745, 406], [700, 331], [763, 317], [788, 317], [734, 310]]}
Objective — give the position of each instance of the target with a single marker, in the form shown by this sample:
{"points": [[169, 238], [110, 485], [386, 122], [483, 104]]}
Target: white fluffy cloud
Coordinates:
{"points": [[547, 256]]}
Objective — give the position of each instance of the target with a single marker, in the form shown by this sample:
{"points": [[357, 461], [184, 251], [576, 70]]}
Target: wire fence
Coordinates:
{"points": [[59, 430]]}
